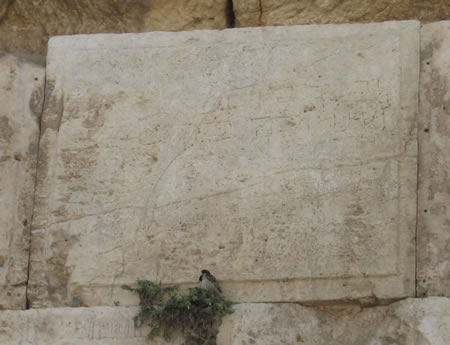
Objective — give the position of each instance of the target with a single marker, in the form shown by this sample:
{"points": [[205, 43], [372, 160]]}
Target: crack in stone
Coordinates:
{"points": [[260, 21], [230, 16], [27, 301]]}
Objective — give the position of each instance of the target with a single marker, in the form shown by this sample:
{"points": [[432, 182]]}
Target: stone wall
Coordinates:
{"points": [[25, 26], [283, 159]]}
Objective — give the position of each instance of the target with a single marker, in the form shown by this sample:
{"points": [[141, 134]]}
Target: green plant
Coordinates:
{"points": [[167, 311]]}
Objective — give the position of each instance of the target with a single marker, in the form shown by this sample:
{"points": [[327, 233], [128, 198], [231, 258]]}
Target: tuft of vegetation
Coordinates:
{"points": [[196, 315]]}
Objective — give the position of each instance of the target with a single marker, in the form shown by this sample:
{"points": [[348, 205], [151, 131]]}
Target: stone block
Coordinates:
{"points": [[411, 321], [433, 219], [25, 26], [290, 12], [282, 159], [72, 326], [21, 95]]}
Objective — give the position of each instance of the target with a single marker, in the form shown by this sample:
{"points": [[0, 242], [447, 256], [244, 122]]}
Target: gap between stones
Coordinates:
{"points": [[44, 99], [229, 14]]}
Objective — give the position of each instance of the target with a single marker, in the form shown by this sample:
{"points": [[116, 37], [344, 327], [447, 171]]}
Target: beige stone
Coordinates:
{"points": [[25, 25], [408, 322], [290, 12], [433, 238], [282, 159], [72, 326], [21, 96]]}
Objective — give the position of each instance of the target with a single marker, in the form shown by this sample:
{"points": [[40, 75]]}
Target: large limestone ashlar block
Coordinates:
{"points": [[411, 321], [282, 159], [21, 95], [433, 219]]}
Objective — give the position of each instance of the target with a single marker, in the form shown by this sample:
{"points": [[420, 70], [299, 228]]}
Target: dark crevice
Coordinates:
{"points": [[229, 14], [4, 11], [44, 95], [261, 12], [418, 172]]}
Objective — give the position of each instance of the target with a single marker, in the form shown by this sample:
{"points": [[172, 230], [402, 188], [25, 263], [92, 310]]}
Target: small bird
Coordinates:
{"points": [[209, 282]]}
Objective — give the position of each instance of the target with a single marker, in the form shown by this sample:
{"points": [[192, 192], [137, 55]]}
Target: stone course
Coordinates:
{"points": [[25, 26], [291, 12], [283, 159], [408, 322], [433, 217], [21, 96]]}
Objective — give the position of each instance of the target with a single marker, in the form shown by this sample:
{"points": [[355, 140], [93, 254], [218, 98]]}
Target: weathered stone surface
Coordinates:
{"points": [[412, 321], [283, 159], [21, 95], [72, 326], [433, 237], [289, 12], [25, 26]]}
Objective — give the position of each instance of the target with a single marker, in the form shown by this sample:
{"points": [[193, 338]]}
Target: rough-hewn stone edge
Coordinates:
{"points": [[409, 105], [51, 119], [28, 89], [59, 45], [433, 210]]}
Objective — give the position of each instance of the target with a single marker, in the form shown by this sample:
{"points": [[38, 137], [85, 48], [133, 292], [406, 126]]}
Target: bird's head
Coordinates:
{"points": [[205, 272]]}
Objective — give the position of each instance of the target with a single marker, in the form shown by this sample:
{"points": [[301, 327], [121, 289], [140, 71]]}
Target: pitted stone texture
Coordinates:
{"points": [[282, 159], [72, 326], [21, 96], [412, 321], [25, 26], [433, 237], [290, 12]]}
